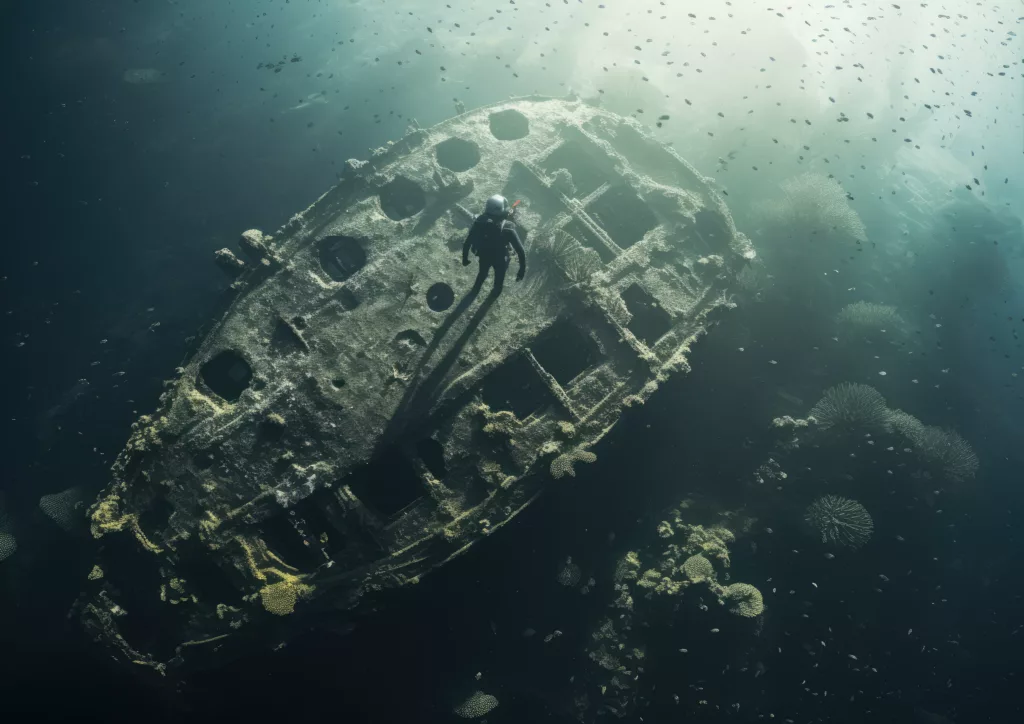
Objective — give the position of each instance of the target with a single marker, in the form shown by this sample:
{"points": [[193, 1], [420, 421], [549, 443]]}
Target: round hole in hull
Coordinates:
{"points": [[509, 125], [440, 297], [227, 375], [341, 256], [402, 198], [457, 154]]}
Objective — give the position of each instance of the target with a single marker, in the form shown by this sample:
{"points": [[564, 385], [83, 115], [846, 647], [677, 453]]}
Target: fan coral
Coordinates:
{"points": [[578, 262], [66, 509], [904, 423], [818, 203], [840, 521], [945, 449], [868, 316], [850, 405]]}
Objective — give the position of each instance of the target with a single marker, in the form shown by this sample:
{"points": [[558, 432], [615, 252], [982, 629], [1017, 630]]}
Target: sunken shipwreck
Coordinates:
{"points": [[357, 417]]}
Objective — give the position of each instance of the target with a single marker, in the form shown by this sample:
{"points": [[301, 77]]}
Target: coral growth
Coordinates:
{"points": [[66, 508], [698, 568], [562, 465], [478, 704], [743, 600], [576, 261], [945, 449], [850, 406], [501, 423], [8, 543], [871, 317], [570, 573], [819, 205], [711, 542], [840, 521], [280, 598], [628, 567]]}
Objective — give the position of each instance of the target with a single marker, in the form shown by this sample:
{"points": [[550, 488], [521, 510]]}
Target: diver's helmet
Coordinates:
{"points": [[497, 205]]}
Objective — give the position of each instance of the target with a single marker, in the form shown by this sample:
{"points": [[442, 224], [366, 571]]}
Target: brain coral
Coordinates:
{"points": [[744, 599], [698, 568]]}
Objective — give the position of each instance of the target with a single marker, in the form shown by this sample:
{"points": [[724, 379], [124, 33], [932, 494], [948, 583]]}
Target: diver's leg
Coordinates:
{"points": [[500, 267], [481, 277]]}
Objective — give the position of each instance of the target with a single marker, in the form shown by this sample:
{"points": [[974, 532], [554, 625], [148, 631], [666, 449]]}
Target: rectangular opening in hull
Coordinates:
{"points": [[712, 228], [622, 215], [587, 175], [149, 624], [326, 515], [282, 537], [154, 519], [314, 522], [524, 186], [387, 484], [431, 452], [517, 387], [650, 322], [210, 582], [565, 351]]}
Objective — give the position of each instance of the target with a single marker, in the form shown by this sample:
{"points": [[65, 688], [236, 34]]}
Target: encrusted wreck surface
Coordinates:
{"points": [[356, 418]]}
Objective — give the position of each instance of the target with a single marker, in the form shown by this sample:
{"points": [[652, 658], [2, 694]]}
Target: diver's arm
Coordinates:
{"points": [[520, 251]]}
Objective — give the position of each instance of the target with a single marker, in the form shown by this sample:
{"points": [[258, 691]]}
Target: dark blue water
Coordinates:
{"points": [[117, 193]]}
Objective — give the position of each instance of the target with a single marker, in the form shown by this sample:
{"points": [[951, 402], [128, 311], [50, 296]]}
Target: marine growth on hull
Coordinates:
{"points": [[358, 416]]}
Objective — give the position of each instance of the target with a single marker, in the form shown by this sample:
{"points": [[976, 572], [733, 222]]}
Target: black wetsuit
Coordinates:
{"points": [[490, 237]]}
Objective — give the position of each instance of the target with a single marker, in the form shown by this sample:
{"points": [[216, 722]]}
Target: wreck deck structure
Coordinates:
{"points": [[357, 418]]}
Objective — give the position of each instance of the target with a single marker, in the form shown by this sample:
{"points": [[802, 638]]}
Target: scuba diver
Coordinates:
{"points": [[490, 237]]}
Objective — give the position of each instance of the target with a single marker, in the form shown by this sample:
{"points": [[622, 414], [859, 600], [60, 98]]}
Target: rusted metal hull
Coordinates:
{"points": [[358, 417]]}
